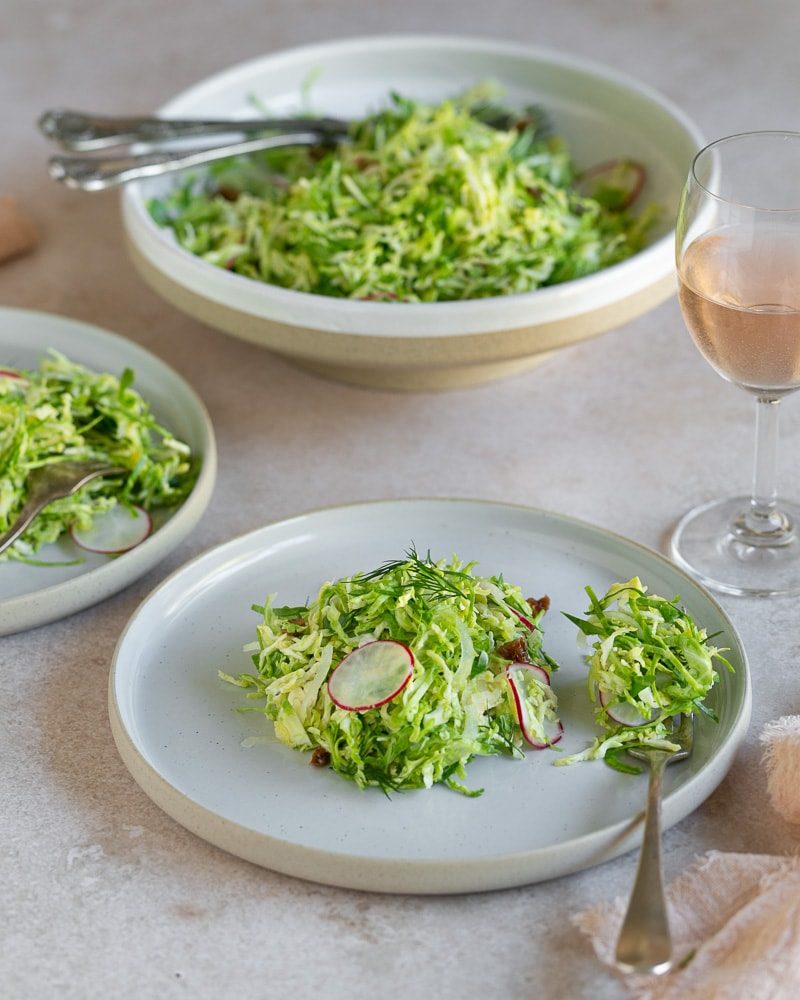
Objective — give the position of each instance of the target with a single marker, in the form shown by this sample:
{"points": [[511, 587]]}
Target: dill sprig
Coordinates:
{"points": [[423, 574], [430, 581]]}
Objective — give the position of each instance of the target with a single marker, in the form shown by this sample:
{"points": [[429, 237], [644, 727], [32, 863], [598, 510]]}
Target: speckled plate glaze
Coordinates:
{"points": [[222, 775], [35, 595]]}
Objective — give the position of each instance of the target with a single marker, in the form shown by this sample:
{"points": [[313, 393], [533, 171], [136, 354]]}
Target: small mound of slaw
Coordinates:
{"points": [[64, 412], [648, 658]]}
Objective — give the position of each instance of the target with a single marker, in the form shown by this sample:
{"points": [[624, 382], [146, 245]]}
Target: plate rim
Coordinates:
{"points": [[327, 313], [59, 600], [417, 876]]}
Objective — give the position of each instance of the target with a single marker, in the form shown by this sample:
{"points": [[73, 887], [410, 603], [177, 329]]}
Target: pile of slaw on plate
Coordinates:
{"points": [[64, 412], [463, 631], [649, 662], [421, 203]]}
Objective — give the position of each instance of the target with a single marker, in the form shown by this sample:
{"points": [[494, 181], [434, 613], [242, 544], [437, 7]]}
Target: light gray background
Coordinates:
{"points": [[102, 895]]}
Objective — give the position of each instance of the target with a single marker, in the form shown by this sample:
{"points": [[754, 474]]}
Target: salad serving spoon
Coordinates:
{"points": [[89, 173], [644, 944], [51, 482]]}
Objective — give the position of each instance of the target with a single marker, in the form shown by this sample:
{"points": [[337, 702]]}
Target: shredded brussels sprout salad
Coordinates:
{"points": [[64, 412], [335, 679], [649, 662], [462, 633], [422, 203]]}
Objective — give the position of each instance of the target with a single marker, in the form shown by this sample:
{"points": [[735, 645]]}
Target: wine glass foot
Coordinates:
{"points": [[713, 544]]}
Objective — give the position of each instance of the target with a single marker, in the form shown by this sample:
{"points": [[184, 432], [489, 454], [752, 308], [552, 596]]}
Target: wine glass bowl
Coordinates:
{"points": [[742, 309], [738, 260]]}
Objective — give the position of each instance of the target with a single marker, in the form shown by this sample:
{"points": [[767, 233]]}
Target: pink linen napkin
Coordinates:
{"points": [[735, 918]]}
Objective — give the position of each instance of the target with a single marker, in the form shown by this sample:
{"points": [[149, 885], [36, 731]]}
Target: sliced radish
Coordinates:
{"points": [[538, 672], [626, 177], [623, 712], [8, 373], [114, 531], [553, 730], [371, 675], [520, 677]]}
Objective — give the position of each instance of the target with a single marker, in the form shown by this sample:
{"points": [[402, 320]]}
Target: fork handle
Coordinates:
{"points": [[644, 944], [82, 131], [97, 173], [60, 481], [30, 509]]}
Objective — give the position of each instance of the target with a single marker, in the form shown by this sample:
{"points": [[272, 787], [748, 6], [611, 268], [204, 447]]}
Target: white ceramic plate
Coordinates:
{"points": [[178, 731], [602, 115], [35, 595]]}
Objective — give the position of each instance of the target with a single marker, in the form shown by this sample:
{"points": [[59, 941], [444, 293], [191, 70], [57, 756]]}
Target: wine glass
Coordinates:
{"points": [[738, 258]]}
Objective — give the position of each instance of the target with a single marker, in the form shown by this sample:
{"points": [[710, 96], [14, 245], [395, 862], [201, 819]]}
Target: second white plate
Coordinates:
{"points": [[221, 773], [36, 595]]}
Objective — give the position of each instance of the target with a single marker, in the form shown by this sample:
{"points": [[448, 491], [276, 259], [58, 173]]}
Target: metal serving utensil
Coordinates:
{"points": [[644, 944], [97, 173], [82, 131], [51, 482]]}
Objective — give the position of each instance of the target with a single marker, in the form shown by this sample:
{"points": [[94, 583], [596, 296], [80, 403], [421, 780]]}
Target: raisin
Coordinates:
{"points": [[538, 604], [228, 193], [320, 757], [516, 650]]}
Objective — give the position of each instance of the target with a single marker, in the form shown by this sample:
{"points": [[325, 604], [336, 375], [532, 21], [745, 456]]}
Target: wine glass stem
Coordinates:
{"points": [[763, 517]]}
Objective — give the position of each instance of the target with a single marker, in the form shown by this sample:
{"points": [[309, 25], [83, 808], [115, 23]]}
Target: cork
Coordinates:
{"points": [[18, 233]]}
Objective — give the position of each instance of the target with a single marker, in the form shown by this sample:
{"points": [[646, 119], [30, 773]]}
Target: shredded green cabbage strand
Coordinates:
{"points": [[65, 412], [458, 703], [422, 203]]}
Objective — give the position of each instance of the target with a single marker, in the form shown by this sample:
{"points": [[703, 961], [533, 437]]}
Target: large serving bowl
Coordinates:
{"points": [[600, 113]]}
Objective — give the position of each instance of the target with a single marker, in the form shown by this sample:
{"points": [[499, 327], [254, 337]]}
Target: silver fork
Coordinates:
{"points": [[644, 944], [50, 482], [81, 131]]}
